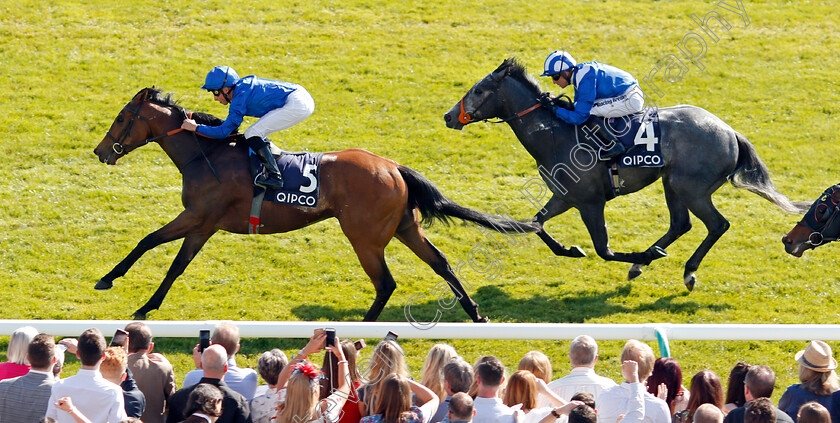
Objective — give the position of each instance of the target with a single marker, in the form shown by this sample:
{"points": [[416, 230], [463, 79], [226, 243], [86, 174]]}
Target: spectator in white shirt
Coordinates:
{"points": [[583, 354], [489, 408], [616, 401], [242, 380], [99, 400]]}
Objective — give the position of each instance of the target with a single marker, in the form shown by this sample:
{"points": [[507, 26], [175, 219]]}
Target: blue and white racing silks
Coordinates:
{"points": [[594, 81], [252, 96]]}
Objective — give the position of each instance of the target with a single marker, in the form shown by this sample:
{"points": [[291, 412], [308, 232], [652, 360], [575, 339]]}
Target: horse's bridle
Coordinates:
{"points": [[118, 142], [465, 117], [118, 146], [816, 238], [120, 149]]}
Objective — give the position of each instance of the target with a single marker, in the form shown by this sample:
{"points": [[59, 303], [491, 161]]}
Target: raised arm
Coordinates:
{"points": [[555, 399], [315, 344], [427, 399]]}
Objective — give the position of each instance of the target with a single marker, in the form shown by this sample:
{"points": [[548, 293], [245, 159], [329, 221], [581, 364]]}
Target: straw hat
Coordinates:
{"points": [[817, 356]]}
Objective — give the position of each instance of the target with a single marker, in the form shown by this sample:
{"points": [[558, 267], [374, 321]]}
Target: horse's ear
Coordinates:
{"points": [[499, 73]]}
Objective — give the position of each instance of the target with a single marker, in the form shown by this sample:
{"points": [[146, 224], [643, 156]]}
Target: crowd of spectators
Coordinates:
{"points": [[126, 382]]}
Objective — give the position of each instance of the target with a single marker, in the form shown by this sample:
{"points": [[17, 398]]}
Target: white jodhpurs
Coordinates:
{"points": [[631, 101], [299, 106]]}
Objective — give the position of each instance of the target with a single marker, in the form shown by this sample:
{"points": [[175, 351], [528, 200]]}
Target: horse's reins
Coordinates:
{"points": [[466, 118], [120, 149]]}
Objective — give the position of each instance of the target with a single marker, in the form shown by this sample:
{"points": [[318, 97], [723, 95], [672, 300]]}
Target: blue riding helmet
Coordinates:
{"points": [[220, 77], [558, 61]]}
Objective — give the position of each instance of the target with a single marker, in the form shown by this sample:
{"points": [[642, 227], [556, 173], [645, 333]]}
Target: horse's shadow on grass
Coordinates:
{"points": [[572, 307]]}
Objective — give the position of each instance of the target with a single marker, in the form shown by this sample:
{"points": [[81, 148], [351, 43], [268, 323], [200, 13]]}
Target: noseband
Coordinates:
{"points": [[466, 117]]}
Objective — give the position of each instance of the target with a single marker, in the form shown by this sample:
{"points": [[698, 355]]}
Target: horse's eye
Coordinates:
{"points": [[120, 119], [478, 91]]}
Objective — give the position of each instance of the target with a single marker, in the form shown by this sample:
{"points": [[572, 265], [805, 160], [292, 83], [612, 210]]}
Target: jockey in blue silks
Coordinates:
{"points": [[600, 90], [278, 105]]}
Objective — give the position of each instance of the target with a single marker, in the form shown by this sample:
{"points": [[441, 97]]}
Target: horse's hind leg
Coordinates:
{"points": [[176, 229], [191, 246], [554, 207], [715, 223], [413, 237], [372, 259], [680, 224]]}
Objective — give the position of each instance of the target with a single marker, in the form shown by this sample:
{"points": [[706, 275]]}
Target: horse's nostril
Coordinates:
{"points": [[447, 117]]}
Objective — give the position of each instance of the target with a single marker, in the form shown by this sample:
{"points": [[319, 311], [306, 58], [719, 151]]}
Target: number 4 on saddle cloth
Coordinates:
{"points": [[301, 183], [638, 132]]}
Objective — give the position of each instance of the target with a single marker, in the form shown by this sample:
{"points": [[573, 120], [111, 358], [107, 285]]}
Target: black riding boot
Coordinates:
{"points": [[271, 178], [616, 149]]}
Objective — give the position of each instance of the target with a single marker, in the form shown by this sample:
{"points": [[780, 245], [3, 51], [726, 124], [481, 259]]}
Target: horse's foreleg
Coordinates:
{"points": [[554, 207], [593, 217], [715, 223], [191, 246], [680, 224], [173, 230], [414, 238]]}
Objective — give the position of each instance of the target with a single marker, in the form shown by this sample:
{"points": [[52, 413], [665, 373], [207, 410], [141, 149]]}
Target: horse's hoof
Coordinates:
{"points": [[138, 315], [575, 251], [690, 281], [482, 320], [103, 285], [635, 271]]}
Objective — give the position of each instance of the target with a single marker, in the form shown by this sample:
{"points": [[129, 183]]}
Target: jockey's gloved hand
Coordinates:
{"points": [[546, 101]]}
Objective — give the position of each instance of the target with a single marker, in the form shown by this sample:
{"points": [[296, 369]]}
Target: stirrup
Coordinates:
{"points": [[264, 180], [615, 151]]}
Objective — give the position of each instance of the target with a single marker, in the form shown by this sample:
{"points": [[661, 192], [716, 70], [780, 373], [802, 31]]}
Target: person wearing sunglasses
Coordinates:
{"points": [[278, 105], [600, 90]]}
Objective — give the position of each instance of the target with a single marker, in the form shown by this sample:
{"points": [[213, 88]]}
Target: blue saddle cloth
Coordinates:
{"points": [[640, 134], [301, 178]]}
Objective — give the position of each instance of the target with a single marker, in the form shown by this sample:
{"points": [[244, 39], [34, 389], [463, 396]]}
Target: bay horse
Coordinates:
{"points": [[820, 225], [700, 153], [374, 199]]}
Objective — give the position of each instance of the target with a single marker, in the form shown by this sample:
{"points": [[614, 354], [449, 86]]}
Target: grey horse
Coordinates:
{"points": [[700, 153]]}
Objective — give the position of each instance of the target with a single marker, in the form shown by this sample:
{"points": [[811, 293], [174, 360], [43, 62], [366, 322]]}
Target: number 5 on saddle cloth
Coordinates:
{"points": [[301, 179]]}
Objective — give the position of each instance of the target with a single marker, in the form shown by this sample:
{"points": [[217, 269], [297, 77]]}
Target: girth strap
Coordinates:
{"points": [[256, 207]]}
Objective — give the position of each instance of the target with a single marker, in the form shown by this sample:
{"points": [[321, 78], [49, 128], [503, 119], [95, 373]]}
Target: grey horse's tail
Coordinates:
{"points": [[752, 175], [433, 205]]}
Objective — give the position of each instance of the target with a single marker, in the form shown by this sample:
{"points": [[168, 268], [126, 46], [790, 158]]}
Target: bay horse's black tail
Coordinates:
{"points": [[433, 205], [752, 174]]}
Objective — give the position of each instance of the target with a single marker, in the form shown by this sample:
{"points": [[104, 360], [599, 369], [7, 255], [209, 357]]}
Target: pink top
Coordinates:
{"points": [[12, 370]]}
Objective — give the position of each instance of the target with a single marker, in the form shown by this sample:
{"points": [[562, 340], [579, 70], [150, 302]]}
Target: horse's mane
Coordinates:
{"points": [[157, 96], [516, 70]]}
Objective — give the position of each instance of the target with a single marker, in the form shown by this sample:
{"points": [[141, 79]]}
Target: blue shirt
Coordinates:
{"points": [[796, 395], [594, 81], [254, 97]]}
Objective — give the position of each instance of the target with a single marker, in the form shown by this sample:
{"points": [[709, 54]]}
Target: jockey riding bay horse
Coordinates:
{"points": [[374, 199]]}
